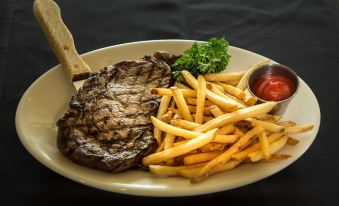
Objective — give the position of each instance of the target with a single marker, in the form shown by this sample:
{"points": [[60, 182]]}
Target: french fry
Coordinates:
{"points": [[174, 130], [185, 124], [215, 110], [243, 81], [224, 77], [236, 116], [168, 141], [200, 157], [234, 91], [168, 171], [274, 158], [226, 139], [218, 92], [204, 118], [264, 144], [292, 141], [238, 132], [298, 129], [274, 147], [228, 129], [201, 94], [222, 102], [167, 116], [266, 125], [220, 160], [193, 101], [244, 153], [181, 86], [177, 116], [269, 118], [192, 109], [182, 106], [192, 172], [249, 99], [160, 147], [213, 146], [287, 124], [168, 92], [165, 101], [231, 82], [187, 147]]}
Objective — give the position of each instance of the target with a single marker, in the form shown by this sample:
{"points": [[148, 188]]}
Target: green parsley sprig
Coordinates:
{"points": [[202, 58]]}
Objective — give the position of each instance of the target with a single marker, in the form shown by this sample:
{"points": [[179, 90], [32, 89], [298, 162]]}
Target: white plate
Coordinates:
{"points": [[47, 99]]}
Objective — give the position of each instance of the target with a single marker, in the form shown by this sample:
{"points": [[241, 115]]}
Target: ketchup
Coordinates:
{"points": [[273, 87]]}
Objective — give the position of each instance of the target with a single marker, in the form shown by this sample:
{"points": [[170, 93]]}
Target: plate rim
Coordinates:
{"points": [[74, 177]]}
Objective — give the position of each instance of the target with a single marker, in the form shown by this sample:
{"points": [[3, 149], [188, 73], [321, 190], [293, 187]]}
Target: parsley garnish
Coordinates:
{"points": [[202, 58]]}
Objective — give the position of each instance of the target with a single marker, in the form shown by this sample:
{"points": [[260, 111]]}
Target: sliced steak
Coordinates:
{"points": [[108, 125]]}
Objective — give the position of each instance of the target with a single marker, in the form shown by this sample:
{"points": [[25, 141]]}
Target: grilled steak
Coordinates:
{"points": [[107, 126]]}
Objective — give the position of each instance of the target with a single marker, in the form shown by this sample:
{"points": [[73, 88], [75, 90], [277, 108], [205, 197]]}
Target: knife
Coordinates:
{"points": [[47, 13]]}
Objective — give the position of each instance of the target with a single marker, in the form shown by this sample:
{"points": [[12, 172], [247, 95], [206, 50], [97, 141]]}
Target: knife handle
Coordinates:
{"points": [[47, 13]]}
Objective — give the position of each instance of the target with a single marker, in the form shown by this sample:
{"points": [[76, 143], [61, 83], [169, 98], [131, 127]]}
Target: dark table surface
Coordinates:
{"points": [[301, 34]]}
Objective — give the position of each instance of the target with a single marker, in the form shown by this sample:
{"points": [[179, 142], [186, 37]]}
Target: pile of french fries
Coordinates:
{"points": [[212, 124]]}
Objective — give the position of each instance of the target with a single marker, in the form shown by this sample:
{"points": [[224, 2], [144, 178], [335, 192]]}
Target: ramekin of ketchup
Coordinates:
{"points": [[274, 82]]}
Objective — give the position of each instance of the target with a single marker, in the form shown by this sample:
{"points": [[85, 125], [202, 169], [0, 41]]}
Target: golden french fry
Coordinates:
{"points": [[298, 129], [222, 102], [237, 131], [187, 147], [274, 158], [226, 139], [168, 92], [193, 101], [218, 92], [224, 77], [192, 109], [181, 104], [204, 118], [249, 99], [234, 91], [208, 169], [244, 153], [269, 118], [201, 94], [161, 170], [165, 101], [231, 82], [236, 116], [287, 123], [177, 116], [180, 142], [215, 110], [192, 172], [274, 147], [181, 86], [228, 129], [264, 145], [225, 167], [266, 125], [200, 157], [167, 116], [292, 141], [185, 124], [168, 141], [243, 81], [160, 147], [213, 146], [174, 130]]}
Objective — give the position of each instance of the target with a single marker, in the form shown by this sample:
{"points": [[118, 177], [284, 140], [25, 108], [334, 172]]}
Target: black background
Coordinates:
{"points": [[301, 34]]}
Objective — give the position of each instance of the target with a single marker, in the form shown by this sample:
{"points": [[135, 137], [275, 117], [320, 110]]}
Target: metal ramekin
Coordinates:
{"points": [[271, 69]]}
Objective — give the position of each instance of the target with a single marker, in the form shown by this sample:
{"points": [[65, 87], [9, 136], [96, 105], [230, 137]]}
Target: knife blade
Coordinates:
{"points": [[48, 15]]}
